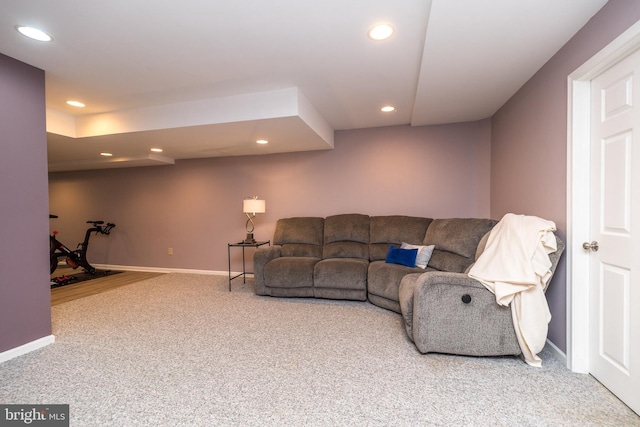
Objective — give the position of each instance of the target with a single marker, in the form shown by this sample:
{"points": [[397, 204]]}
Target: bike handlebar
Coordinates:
{"points": [[97, 224], [99, 228], [103, 230]]}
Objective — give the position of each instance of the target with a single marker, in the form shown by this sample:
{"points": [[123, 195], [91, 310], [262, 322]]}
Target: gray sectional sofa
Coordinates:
{"points": [[345, 257]]}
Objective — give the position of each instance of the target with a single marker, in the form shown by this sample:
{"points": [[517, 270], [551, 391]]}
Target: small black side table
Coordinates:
{"points": [[242, 245]]}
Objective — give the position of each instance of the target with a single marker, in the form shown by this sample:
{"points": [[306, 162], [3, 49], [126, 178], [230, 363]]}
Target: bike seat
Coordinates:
{"points": [[95, 222]]}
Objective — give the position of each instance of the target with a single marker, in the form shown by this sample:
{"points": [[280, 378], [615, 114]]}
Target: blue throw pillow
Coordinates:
{"points": [[402, 256]]}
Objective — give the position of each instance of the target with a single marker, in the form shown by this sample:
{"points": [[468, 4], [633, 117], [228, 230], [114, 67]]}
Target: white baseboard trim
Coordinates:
{"points": [[161, 269], [26, 348], [557, 353]]}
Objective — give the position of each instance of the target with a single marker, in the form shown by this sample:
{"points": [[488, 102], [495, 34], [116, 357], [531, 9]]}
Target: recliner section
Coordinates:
{"points": [[286, 268], [342, 272]]}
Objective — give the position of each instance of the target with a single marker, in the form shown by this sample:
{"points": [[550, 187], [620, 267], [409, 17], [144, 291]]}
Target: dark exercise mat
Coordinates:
{"points": [[70, 279]]}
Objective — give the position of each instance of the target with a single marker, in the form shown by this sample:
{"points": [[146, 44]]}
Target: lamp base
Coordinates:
{"points": [[249, 239]]}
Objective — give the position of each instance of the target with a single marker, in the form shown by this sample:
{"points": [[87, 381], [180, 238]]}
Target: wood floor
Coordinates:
{"points": [[94, 286]]}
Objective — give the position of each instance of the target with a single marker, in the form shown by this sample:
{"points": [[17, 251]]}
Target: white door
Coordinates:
{"points": [[614, 241]]}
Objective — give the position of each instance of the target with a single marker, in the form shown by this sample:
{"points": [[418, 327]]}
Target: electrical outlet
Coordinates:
{"points": [[170, 251]]}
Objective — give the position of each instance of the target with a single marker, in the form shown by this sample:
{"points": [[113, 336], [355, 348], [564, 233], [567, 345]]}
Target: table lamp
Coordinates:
{"points": [[250, 207]]}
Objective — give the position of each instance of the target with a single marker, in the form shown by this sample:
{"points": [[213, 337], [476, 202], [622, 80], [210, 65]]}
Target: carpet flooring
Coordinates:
{"points": [[180, 350]]}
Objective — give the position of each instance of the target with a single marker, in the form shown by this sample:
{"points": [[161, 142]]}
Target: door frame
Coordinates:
{"points": [[578, 172]]}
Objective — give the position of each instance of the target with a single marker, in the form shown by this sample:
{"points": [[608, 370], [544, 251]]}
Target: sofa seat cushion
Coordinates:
{"points": [[290, 272], [341, 273], [384, 278]]}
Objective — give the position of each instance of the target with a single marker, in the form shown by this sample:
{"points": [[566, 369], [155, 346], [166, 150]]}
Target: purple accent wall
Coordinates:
{"points": [[25, 301], [195, 206], [529, 141]]}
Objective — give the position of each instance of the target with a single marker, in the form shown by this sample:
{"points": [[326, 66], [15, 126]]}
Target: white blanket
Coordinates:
{"points": [[515, 266]]}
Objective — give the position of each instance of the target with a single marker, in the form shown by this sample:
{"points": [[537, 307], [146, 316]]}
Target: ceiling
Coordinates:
{"points": [[206, 78]]}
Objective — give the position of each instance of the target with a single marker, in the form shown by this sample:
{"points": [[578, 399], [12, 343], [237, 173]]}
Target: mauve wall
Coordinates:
{"points": [[529, 141], [195, 206], [25, 312]]}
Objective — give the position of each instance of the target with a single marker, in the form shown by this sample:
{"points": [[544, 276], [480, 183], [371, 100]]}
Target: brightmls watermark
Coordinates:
{"points": [[34, 415]]}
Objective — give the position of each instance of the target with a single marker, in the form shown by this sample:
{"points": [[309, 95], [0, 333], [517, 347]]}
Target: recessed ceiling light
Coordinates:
{"points": [[157, 150], [34, 33], [381, 31], [388, 109], [106, 154], [75, 104], [262, 141]]}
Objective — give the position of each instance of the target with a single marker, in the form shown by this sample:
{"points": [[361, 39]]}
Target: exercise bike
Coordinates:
{"points": [[78, 257]]}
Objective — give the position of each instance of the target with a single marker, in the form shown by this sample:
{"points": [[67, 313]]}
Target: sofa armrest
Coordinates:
{"points": [[260, 258], [420, 283], [443, 277], [453, 313], [406, 293]]}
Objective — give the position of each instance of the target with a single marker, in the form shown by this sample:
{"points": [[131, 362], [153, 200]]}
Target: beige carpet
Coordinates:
{"points": [[180, 350]]}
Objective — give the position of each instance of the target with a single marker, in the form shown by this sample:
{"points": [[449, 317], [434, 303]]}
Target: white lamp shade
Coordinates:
{"points": [[253, 206]]}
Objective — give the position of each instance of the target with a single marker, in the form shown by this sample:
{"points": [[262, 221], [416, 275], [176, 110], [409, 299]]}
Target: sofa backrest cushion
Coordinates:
{"points": [[300, 236], [394, 230], [456, 242], [346, 236]]}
